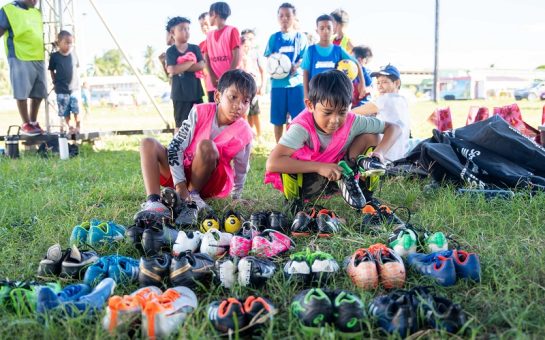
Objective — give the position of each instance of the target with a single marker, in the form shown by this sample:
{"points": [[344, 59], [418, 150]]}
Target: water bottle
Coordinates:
{"points": [[63, 147]]}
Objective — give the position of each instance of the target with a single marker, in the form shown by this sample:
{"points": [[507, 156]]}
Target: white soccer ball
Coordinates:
{"points": [[278, 65]]}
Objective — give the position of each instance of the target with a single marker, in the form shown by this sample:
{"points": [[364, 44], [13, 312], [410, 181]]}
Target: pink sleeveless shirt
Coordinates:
{"points": [[219, 51]]}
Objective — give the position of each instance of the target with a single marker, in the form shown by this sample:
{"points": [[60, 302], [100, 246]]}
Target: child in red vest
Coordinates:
{"points": [[197, 162], [305, 161]]}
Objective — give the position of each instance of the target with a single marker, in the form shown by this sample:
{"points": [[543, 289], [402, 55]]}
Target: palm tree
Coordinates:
{"points": [[149, 60], [110, 64]]}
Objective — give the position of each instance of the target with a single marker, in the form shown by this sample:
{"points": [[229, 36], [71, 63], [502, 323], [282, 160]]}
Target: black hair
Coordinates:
{"points": [[243, 39], [63, 34], [203, 15], [362, 51], [340, 16], [172, 22], [243, 81], [332, 87], [221, 9], [247, 30], [289, 6], [324, 17]]}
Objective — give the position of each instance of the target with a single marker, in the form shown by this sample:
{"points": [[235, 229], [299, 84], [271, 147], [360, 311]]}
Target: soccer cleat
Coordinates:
{"points": [[403, 241], [201, 204], [189, 270], [313, 308], [210, 221], [231, 222], [271, 243], [434, 242], [255, 272], [134, 235], [153, 212], [240, 246], [170, 198], [97, 271], [349, 315], [466, 265], [227, 315], [105, 232], [298, 269], [372, 218], [435, 265], [153, 270], [51, 264], [362, 269], [227, 271], [278, 221], [123, 269], [390, 266], [350, 188], [155, 240], [441, 313], [80, 233], [187, 241], [258, 310], [248, 230], [165, 313], [48, 299], [215, 243], [394, 313], [368, 166], [304, 223], [74, 265], [327, 222], [259, 220], [323, 266], [187, 215]]}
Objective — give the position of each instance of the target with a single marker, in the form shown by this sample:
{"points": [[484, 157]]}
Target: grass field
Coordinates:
{"points": [[42, 199]]}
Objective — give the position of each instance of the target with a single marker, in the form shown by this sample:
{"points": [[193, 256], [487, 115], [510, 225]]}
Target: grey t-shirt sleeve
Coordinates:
{"points": [[363, 124], [295, 138], [241, 165], [4, 22], [177, 146]]}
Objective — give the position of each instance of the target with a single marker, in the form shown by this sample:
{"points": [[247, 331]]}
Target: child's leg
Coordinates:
{"points": [[154, 163], [76, 119], [361, 144], [257, 124], [205, 162]]}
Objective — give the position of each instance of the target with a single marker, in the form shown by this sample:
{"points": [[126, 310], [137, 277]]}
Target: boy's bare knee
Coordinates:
{"points": [[148, 145], [208, 151]]}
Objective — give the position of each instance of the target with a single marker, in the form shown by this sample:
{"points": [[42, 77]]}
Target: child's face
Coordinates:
{"points": [[212, 18], [337, 27], [169, 39], [364, 61], [386, 85], [205, 25], [65, 45], [286, 18], [327, 118], [250, 37], [246, 46], [324, 30], [180, 33], [232, 104]]}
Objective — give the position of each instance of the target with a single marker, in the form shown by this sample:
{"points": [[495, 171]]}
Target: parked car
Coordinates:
{"points": [[532, 92]]}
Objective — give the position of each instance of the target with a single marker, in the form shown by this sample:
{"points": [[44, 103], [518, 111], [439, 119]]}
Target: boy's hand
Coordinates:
{"points": [[293, 69], [331, 171], [377, 155]]}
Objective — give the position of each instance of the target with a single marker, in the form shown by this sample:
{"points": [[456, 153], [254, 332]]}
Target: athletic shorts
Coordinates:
{"points": [[286, 100], [27, 79], [67, 104], [254, 107], [182, 109]]}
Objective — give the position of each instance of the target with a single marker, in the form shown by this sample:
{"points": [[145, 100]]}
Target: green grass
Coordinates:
{"points": [[42, 199]]}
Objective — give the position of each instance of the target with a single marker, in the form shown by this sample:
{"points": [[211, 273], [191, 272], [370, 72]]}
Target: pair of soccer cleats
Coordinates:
{"points": [[21, 296], [96, 233], [213, 243], [408, 239], [151, 239], [241, 316], [274, 220], [249, 271], [378, 263], [406, 312], [316, 308], [185, 269], [230, 222], [266, 243], [365, 172], [310, 268], [76, 299], [122, 269], [159, 313], [70, 263], [323, 223], [446, 266], [375, 215]]}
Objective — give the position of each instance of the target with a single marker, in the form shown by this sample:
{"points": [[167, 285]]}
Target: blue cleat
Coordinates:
{"points": [[467, 265], [96, 300], [436, 265], [97, 272], [106, 232], [48, 299], [123, 269]]}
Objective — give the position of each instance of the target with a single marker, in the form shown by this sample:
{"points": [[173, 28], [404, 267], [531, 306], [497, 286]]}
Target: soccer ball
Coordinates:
{"points": [[348, 67], [278, 65]]}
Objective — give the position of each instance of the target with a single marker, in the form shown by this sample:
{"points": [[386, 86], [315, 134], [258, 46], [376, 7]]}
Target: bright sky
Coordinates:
{"points": [[473, 33]]}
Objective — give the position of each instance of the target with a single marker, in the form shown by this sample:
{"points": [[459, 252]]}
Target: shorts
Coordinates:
{"points": [[286, 100], [27, 79], [182, 109], [67, 104], [310, 185], [254, 107]]}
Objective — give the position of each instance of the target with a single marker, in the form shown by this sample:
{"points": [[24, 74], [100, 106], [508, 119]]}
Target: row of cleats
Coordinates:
{"points": [[249, 271], [274, 220], [231, 222], [95, 233], [446, 266], [406, 312], [185, 269], [311, 268], [367, 266], [322, 222], [121, 269], [240, 316], [21, 296], [160, 313], [315, 308], [70, 263], [407, 239], [75, 299]]}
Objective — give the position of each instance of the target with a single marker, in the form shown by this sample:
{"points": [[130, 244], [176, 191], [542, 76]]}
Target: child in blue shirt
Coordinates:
{"points": [[363, 55]]}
